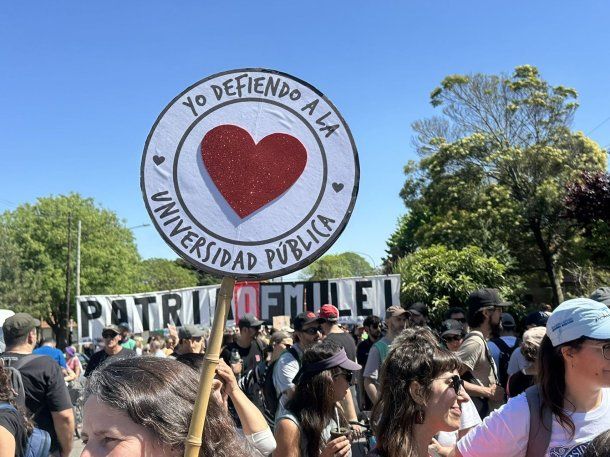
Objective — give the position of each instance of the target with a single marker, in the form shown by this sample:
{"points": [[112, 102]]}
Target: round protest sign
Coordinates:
{"points": [[250, 173]]}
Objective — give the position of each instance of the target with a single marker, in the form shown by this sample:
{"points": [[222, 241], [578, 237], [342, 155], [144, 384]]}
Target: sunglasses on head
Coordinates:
{"points": [[313, 330]]}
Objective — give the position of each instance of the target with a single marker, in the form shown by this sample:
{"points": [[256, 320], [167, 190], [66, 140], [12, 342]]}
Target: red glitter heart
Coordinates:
{"points": [[250, 175]]}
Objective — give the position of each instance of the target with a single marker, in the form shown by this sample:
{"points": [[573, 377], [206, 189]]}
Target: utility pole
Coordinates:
{"points": [[78, 231], [68, 271]]}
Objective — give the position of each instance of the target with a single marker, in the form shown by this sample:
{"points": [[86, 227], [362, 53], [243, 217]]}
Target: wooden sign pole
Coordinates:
{"points": [[212, 356]]}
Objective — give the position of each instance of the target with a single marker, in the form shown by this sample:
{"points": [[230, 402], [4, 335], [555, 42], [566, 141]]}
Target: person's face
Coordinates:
{"points": [[111, 339], [250, 332], [374, 330], [443, 408], [460, 317], [194, 345], [590, 363], [341, 382], [282, 345], [453, 342], [398, 323], [310, 334], [494, 314], [416, 318], [108, 432]]}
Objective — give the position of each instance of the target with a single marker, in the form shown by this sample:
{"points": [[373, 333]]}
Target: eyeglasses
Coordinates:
{"points": [[451, 339], [604, 348], [349, 376], [313, 330], [109, 335], [456, 382]]}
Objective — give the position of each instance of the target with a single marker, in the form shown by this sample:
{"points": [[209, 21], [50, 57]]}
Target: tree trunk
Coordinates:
{"points": [[553, 271]]}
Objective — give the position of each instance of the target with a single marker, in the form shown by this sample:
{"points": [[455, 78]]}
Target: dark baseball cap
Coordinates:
{"points": [[190, 331], [451, 327], [483, 298], [537, 319], [249, 320], [601, 295], [508, 321], [418, 308], [305, 318], [19, 324]]}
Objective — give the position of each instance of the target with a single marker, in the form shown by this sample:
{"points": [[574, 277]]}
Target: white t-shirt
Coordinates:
{"points": [[470, 417], [505, 432]]}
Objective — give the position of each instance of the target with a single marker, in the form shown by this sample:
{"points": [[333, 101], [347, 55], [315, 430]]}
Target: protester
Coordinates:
{"points": [[46, 394], [73, 362], [452, 334], [279, 342], [307, 332], [126, 340], [418, 314], [457, 314], [190, 341], [312, 414], [521, 380], [143, 407], [250, 350], [112, 349], [478, 369], [396, 320], [49, 347], [372, 327], [573, 381], [14, 425], [502, 346], [139, 345], [156, 349], [601, 295], [170, 344], [421, 393], [517, 361]]}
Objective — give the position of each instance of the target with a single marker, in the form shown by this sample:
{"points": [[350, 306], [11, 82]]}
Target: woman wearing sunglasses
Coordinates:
{"points": [[421, 394], [572, 389], [313, 421]]}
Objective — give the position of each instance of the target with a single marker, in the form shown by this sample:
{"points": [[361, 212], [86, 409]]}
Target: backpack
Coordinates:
{"points": [[271, 399], [505, 353], [541, 422], [13, 368], [39, 442]]}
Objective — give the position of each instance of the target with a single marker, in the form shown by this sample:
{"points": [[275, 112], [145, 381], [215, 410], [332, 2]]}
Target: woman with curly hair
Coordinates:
{"points": [[14, 426], [421, 395], [143, 406], [313, 421]]}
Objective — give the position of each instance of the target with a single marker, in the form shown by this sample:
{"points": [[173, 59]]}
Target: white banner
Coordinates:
{"points": [[355, 297]]}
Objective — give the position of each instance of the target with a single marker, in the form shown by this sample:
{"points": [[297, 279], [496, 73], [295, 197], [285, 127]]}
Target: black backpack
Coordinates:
{"points": [[505, 353], [271, 399]]}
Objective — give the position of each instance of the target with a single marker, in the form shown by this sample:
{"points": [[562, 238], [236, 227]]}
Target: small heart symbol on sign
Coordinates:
{"points": [[158, 160], [338, 187]]}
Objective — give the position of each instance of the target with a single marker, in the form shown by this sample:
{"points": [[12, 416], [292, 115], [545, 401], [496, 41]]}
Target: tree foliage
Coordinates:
{"points": [[443, 277], [494, 172], [163, 274], [346, 264]]}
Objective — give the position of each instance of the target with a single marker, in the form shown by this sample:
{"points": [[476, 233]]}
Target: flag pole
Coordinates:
{"points": [[210, 362]]}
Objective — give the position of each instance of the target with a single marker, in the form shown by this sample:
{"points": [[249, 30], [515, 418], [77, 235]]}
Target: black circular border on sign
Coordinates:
{"points": [[250, 243], [304, 261]]}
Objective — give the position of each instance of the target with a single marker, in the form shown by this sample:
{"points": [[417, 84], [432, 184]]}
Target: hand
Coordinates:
{"points": [[227, 376], [357, 431], [436, 449], [498, 394], [337, 447], [173, 331], [237, 368]]}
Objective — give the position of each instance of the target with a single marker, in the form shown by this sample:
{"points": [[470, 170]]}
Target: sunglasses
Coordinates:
{"points": [[313, 330], [109, 335], [456, 382], [349, 376], [451, 339]]}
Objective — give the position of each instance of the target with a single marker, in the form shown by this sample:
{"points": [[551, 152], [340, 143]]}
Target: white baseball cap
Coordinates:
{"points": [[576, 318]]}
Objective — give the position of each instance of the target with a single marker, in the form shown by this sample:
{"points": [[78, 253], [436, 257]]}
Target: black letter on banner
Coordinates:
{"points": [[361, 298], [171, 310], [88, 315], [119, 312], [270, 293], [291, 294], [387, 291], [144, 302], [333, 294], [196, 310]]}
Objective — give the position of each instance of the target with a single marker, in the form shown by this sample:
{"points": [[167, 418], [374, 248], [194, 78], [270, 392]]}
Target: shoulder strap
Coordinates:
{"points": [[488, 356], [541, 423], [295, 354], [501, 344]]}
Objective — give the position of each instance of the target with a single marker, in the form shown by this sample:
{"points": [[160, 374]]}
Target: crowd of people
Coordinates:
{"points": [[483, 382]]}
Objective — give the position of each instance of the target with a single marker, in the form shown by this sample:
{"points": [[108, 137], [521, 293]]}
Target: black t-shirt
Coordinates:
{"points": [[250, 356], [12, 420], [362, 351], [100, 357], [346, 342], [45, 390]]}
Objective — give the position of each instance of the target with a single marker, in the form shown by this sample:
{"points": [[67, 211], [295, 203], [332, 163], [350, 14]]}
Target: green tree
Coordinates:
{"points": [[493, 171], [163, 274], [38, 236], [442, 277], [346, 264]]}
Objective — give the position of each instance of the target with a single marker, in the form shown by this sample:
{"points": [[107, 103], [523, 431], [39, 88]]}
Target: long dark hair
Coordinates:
{"points": [[8, 396], [415, 356], [313, 402], [159, 394], [552, 380]]}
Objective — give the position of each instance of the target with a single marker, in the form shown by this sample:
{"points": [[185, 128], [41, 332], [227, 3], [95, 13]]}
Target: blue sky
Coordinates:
{"points": [[81, 83]]}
